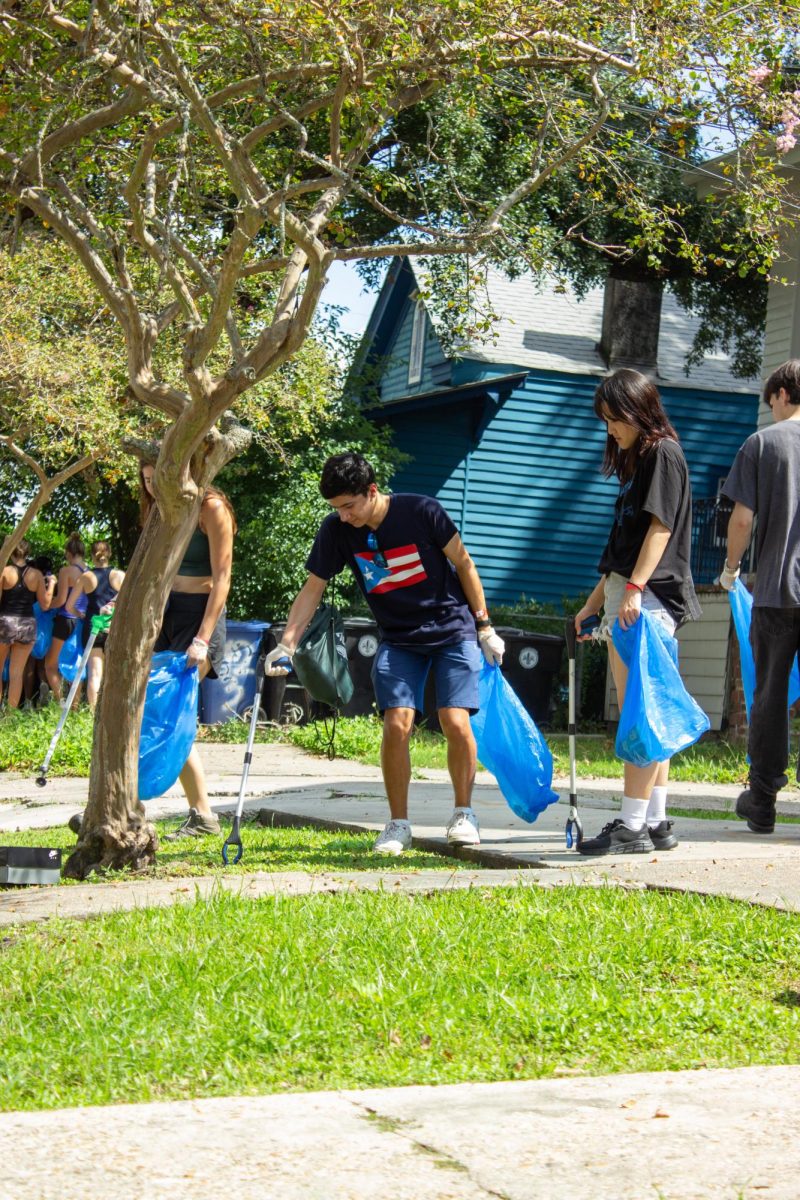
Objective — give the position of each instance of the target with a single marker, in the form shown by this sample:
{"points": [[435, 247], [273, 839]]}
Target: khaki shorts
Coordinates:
{"points": [[614, 591]]}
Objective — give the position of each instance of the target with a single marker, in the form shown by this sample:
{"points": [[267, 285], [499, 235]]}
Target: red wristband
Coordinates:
{"points": [[630, 586]]}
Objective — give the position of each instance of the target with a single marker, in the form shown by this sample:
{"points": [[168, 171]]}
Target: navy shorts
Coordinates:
{"points": [[399, 674]]}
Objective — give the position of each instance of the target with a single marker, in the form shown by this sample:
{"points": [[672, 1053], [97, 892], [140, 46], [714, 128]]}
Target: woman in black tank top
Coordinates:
{"points": [[100, 585], [20, 588]]}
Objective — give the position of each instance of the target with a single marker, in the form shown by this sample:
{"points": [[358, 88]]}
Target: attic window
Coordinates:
{"points": [[417, 352]]}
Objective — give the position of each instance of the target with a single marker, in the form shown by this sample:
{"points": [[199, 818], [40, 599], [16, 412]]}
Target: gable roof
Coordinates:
{"points": [[542, 326]]}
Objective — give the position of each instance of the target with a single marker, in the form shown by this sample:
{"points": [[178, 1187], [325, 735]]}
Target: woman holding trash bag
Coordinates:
{"points": [[100, 585], [194, 621], [21, 586], [64, 623], [645, 564]]}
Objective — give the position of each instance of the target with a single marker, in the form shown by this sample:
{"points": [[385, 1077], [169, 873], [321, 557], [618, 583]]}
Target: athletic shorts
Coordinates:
{"points": [[63, 627], [399, 674], [614, 591], [183, 617], [14, 629]]}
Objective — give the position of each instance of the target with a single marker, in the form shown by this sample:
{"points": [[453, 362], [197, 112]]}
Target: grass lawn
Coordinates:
{"points": [[24, 738], [265, 849], [232, 996]]}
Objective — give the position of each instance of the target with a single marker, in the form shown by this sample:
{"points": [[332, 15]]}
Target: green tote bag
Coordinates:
{"points": [[320, 660]]}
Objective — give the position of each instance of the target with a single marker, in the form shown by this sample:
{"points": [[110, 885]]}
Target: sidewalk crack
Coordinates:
{"points": [[440, 1158]]}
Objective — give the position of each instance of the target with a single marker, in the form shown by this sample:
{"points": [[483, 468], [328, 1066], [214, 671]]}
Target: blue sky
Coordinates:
{"points": [[345, 288]]}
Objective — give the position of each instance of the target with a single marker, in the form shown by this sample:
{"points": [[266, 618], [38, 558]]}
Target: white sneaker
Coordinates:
{"points": [[463, 828], [395, 838]]}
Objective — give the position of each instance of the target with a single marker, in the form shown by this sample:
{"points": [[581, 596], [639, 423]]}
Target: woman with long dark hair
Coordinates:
{"points": [[194, 622], [645, 565], [21, 585]]}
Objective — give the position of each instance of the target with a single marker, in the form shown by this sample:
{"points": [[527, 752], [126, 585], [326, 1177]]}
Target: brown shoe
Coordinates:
{"points": [[195, 826]]}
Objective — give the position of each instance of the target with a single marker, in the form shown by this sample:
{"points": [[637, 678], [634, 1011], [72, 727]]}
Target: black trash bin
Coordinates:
{"points": [[531, 663], [284, 699], [362, 639]]}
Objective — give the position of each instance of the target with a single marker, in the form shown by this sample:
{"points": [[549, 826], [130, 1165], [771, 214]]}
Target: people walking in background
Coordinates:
{"points": [[100, 586], [645, 564], [764, 481], [427, 598], [21, 586], [64, 623], [194, 622]]}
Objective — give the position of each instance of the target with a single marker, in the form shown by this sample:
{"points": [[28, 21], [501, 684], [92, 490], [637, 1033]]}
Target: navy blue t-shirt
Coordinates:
{"points": [[417, 599]]}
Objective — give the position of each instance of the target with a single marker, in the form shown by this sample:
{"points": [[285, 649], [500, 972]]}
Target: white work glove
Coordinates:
{"points": [[492, 645], [273, 664], [728, 576]]}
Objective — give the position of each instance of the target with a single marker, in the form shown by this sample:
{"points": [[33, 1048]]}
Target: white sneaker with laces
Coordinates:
{"points": [[395, 838], [463, 828]]}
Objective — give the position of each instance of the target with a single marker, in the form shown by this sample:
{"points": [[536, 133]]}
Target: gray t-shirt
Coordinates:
{"points": [[765, 477]]}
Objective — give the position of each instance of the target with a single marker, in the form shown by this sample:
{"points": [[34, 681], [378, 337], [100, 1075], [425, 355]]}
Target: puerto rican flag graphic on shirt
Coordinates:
{"points": [[403, 569]]}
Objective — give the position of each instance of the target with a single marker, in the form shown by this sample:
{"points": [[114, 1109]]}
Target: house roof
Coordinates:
{"points": [[544, 327]]}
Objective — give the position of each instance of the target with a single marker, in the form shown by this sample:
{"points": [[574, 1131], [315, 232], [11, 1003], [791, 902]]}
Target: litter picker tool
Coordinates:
{"points": [[574, 828], [234, 838], [99, 624]]}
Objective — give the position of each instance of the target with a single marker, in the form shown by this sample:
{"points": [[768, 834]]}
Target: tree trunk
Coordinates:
{"points": [[115, 832]]}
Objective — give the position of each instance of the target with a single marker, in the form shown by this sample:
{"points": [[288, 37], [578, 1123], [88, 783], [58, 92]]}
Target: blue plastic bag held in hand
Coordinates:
{"points": [[44, 631], [71, 653], [659, 717], [169, 723], [742, 610], [511, 747]]}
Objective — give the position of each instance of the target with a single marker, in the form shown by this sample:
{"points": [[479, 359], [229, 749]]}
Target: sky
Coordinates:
{"points": [[345, 288]]}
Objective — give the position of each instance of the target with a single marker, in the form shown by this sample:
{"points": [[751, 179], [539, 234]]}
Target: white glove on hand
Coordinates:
{"points": [[492, 645], [272, 661], [728, 576]]}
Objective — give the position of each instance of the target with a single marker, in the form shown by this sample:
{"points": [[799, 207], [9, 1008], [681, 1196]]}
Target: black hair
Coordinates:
{"points": [[346, 474], [786, 376], [633, 398]]}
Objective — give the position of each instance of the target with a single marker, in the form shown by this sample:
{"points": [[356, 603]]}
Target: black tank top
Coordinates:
{"points": [[18, 601], [102, 593]]}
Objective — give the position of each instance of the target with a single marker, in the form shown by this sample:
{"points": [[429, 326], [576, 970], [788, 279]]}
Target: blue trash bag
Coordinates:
{"points": [[742, 610], [511, 747], [169, 723], [658, 717], [70, 655], [44, 631]]}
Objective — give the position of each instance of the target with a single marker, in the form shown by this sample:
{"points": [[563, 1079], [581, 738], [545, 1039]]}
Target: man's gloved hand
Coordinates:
{"points": [[492, 645], [728, 576], [278, 661]]}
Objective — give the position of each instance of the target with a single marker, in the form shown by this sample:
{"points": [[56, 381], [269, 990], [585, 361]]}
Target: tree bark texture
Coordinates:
{"points": [[116, 832]]}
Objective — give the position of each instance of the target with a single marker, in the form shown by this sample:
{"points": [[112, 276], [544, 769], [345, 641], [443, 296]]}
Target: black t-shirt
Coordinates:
{"points": [[659, 488], [417, 599]]}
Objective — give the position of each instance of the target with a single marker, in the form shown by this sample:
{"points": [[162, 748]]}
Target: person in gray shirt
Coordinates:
{"points": [[765, 481]]}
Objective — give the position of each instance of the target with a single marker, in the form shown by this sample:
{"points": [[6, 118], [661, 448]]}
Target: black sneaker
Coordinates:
{"points": [[758, 810], [662, 837], [75, 822], [616, 838]]}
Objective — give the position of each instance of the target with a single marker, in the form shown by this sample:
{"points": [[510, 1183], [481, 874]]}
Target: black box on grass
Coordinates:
{"points": [[29, 864]]}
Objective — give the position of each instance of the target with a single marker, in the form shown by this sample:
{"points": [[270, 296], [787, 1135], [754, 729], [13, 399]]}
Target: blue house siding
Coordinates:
{"points": [[526, 490], [394, 380]]}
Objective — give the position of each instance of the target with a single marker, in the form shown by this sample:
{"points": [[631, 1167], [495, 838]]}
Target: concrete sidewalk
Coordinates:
{"points": [[714, 856], [690, 1135]]}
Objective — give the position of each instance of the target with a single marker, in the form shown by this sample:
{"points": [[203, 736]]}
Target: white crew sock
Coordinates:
{"points": [[657, 808], [462, 808], [634, 813]]}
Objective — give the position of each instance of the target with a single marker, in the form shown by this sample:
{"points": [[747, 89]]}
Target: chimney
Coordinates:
{"points": [[631, 320]]}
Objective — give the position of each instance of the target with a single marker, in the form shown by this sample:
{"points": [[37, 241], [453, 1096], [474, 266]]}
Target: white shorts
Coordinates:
{"points": [[614, 591]]}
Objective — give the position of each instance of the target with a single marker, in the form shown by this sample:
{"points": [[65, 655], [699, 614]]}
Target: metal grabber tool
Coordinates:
{"points": [[574, 828], [234, 837], [99, 624]]}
